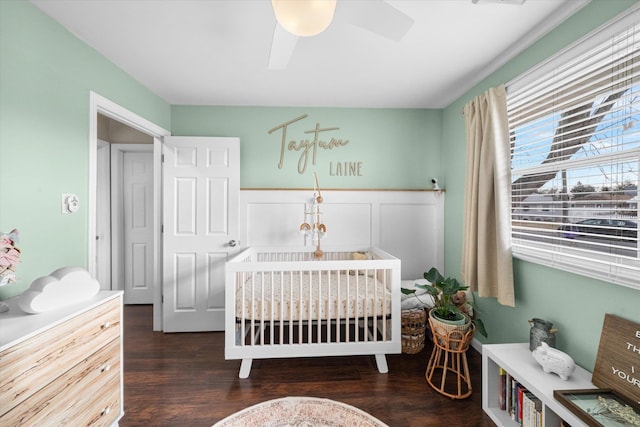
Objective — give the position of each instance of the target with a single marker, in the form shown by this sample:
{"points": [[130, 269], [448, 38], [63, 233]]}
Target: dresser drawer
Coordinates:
{"points": [[32, 364], [87, 394]]}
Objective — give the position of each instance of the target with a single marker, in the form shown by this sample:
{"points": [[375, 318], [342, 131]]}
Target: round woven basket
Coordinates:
{"points": [[413, 330], [449, 336]]}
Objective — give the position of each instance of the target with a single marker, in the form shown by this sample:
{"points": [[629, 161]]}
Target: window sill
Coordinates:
{"points": [[626, 274]]}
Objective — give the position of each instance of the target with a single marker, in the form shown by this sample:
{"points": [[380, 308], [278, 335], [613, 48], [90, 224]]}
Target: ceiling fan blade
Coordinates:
{"points": [[282, 47], [378, 17]]}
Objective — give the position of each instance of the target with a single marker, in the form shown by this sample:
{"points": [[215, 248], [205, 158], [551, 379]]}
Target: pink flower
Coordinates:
{"points": [[9, 256], [10, 259]]}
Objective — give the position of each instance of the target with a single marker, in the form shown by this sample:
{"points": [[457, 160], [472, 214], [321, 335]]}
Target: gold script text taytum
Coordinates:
{"points": [[305, 145]]}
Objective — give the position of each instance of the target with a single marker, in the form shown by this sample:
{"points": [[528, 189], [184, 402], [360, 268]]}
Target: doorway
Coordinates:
{"points": [[124, 215], [132, 220], [125, 124]]}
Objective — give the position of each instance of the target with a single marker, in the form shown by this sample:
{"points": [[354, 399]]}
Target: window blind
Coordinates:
{"points": [[575, 154]]}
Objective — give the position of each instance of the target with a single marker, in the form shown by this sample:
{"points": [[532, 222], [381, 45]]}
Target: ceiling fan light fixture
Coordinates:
{"points": [[304, 18]]}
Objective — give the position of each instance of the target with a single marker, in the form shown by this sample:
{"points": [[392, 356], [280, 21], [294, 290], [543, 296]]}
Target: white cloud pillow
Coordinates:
{"points": [[65, 286]]}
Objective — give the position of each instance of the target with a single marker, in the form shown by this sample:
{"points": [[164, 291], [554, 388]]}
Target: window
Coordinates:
{"points": [[574, 123]]}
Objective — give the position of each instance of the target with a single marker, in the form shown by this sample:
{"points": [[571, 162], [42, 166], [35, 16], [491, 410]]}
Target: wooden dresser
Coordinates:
{"points": [[63, 366]]}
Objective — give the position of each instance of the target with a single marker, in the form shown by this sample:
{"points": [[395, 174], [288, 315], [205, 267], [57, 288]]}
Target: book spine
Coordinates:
{"points": [[514, 399], [525, 410], [508, 394], [537, 404], [502, 396], [521, 390]]}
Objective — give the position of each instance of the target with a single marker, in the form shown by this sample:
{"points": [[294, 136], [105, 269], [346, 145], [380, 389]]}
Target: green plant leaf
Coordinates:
{"points": [[480, 327], [433, 276], [442, 290], [431, 290]]}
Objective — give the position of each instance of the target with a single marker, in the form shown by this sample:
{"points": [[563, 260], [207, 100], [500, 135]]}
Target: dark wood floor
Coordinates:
{"points": [[184, 380]]}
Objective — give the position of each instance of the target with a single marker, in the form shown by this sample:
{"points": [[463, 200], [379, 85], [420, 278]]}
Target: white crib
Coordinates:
{"points": [[285, 303]]}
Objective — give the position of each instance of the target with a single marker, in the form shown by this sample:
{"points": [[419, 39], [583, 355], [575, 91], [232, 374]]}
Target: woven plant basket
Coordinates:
{"points": [[447, 335], [413, 330]]}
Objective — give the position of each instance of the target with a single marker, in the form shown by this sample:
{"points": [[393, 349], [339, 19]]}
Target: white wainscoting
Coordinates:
{"points": [[407, 224]]}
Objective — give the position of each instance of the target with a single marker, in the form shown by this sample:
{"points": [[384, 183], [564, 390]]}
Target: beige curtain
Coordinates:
{"points": [[486, 247]]}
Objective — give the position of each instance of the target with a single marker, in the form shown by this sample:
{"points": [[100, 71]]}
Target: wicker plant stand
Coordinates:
{"points": [[413, 323], [447, 371]]}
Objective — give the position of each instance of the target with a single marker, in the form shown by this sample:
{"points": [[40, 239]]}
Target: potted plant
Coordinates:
{"points": [[449, 303]]}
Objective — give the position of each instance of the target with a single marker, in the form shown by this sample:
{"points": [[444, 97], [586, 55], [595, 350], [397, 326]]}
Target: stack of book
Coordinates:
{"points": [[522, 406]]}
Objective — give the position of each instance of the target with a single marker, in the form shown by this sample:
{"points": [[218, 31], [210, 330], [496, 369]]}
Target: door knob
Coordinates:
{"points": [[233, 243]]}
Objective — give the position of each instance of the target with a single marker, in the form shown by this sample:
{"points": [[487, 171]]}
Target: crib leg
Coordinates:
{"points": [[245, 368], [381, 361]]}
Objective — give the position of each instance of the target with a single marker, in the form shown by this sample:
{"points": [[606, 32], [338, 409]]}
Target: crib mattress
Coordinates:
{"points": [[311, 296]]}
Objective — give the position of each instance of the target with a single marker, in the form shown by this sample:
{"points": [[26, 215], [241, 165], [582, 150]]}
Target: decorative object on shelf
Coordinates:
{"points": [[450, 305], [64, 286], [617, 363], [312, 226], [599, 407], [553, 360], [9, 259], [541, 331], [508, 369]]}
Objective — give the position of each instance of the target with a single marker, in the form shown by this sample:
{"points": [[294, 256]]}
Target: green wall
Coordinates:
{"points": [[46, 75], [575, 304], [397, 149]]}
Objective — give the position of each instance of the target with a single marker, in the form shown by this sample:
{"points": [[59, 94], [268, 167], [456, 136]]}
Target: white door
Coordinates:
{"points": [[103, 215], [137, 194], [201, 186]]}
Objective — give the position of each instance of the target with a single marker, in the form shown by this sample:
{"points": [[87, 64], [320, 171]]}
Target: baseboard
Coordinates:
{"points": [[477, 345]]}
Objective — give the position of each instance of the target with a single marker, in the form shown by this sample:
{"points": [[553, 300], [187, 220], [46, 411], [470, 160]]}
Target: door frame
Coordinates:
{"points": [[106, 107], [103, 169]]}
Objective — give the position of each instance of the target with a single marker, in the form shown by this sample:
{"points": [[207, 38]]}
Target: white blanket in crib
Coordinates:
{"points": [[311, 296]]}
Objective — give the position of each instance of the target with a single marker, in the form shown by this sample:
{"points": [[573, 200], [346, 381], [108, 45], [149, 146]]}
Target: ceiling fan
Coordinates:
{"points": [[376, 16]]}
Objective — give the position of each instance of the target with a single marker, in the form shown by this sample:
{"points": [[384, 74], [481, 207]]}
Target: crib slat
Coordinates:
{"points": [[319, 308], [300, 307], [338, 306], [291, 306], [374, 308], [309, 307], [329, 306], [349, 301], [281, 287], [270, 321], [253, 302], [384, 277], [242, 277]]}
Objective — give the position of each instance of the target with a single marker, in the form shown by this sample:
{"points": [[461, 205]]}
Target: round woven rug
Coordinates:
{"points": [[300, 412]]}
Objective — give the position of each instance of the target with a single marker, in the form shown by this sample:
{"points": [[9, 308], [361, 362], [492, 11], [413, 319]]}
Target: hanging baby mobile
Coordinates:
{"points": [[312, 226]]}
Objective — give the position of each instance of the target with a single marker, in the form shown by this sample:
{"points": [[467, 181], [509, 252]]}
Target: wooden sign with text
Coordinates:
{"points": [[618, 361]]}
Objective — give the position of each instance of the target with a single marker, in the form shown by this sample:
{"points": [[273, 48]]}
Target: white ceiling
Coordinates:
{"points": [[216, 52]]}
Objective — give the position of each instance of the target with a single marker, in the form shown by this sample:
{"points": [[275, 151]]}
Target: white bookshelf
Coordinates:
{"points": [[517, 360]]}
